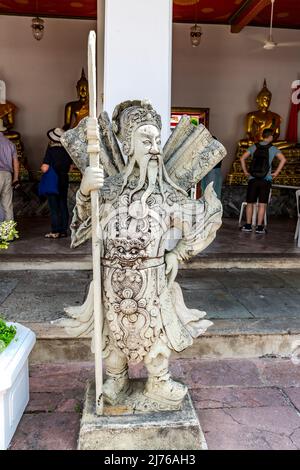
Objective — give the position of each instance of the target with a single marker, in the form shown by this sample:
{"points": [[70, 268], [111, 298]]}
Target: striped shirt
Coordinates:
{"points": [[8, 152]]}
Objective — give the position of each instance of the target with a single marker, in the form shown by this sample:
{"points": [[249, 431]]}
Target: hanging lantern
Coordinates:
{"points": [[38, 28], [195, 34]]}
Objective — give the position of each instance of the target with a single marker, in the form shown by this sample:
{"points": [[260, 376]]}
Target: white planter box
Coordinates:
{"points": [[14, 382]]}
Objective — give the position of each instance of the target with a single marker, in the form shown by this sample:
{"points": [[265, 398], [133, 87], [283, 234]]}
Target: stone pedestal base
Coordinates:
{"points": [[120, 429]]}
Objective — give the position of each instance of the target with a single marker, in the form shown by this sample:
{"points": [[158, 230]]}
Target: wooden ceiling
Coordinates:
{"points": [[237, 13], [83, 9]]}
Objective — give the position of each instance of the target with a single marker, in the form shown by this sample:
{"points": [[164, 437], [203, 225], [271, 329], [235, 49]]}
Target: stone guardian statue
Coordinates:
{"points": [[149, 224]]}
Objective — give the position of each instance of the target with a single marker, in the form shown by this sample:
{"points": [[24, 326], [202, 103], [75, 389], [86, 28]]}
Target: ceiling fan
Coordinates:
{"points": [[269, 43]]}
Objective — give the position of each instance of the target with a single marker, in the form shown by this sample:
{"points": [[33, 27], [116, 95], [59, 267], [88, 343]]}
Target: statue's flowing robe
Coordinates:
{"points": [[139, 307]]}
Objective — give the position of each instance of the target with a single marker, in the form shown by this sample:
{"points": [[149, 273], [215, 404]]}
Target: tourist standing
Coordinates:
{"points": [[214, 175], [260, 178], [59, 160], [9, 173]]}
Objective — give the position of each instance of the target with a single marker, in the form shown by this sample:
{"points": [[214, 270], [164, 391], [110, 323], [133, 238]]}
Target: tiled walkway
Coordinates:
{"points": [[242, 404], [39, 296]]}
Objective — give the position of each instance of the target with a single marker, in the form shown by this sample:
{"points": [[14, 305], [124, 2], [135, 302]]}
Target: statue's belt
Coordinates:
{"points": [[140, 263]]}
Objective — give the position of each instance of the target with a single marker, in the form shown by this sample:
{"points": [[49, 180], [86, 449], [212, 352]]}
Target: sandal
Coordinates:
{"points": [[52, 235]]}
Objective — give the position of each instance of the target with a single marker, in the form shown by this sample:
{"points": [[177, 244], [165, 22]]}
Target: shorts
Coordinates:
{"points": [[258, 191]]}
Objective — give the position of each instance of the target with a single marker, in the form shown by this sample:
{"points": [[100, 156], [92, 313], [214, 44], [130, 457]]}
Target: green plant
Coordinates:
{"points": [[7, 233], [7, 334]]}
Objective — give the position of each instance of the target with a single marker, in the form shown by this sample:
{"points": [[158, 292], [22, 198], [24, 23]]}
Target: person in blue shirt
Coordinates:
{"points": [[260, 178], [58, 158]]}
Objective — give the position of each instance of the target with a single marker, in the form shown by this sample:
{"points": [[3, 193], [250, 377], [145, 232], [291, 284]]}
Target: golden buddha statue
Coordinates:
{"points": [[7, 115], [257, 121], [77, 110]]}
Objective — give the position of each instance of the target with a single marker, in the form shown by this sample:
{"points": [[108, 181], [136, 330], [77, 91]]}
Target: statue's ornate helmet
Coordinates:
{"points": [[128, 117]]}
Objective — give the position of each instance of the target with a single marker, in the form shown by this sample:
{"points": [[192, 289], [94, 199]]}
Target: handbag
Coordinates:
{"points": [[48, 183]]}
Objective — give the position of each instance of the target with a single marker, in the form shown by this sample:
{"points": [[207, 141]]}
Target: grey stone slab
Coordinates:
{"points": [[290, 277], [257, 326], [53, 282], [39, 307], [6, 288], [224, 294], [171, 430], [253, 278], [217, 303], [263, 303], [197, 280]]}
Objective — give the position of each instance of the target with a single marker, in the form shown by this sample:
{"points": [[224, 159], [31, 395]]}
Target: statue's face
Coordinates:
{"points": [[82, 90], [263, 101], [146, 142]]}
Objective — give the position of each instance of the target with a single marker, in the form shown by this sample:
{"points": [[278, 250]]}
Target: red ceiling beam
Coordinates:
{"points": [[248, 11]]}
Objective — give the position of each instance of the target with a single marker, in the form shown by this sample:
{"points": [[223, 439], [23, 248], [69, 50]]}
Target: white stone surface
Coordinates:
{"points": [[14, 382], [138, 52]]}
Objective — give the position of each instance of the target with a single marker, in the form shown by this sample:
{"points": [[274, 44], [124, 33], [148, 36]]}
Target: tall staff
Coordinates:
{"points": [[94, 151]]}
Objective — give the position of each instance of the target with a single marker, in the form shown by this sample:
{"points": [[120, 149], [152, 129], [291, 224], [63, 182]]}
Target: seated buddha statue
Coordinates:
{"points": [[261, 119], [7, 116], [7, 113], [77, 110]]}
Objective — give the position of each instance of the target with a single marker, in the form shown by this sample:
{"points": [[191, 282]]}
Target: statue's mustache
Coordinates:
{"points": [[154, 156]]}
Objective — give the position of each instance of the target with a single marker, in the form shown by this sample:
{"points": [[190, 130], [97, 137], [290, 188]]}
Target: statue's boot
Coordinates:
{"points": [[168, 393], [160, 388], [117, 385]]}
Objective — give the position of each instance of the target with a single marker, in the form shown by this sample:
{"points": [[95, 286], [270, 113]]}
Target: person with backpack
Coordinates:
{"points": [[260, 177]]}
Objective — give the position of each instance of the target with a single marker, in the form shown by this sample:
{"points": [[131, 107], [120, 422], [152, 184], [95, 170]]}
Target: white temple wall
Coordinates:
{"points": [[226, 72], [138, 53]]}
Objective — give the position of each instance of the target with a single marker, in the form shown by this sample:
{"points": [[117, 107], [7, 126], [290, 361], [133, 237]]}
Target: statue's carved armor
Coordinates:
{"points": [[134, 266]]}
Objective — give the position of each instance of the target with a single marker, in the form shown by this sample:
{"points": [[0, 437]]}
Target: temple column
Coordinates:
{"points": [[100, 53], [137, 54]]}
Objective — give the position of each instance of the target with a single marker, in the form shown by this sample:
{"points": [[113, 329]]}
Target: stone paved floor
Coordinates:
{"points": [[242, 404], [279, 240], [39, 296]]}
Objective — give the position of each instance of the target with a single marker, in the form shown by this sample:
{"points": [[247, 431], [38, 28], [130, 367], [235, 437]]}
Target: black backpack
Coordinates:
{"points": [[260, 165]]}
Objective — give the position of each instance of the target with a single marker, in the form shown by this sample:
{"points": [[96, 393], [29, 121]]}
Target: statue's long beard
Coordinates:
{"points": [[154, 168], [151, 172], [148, 174]]}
